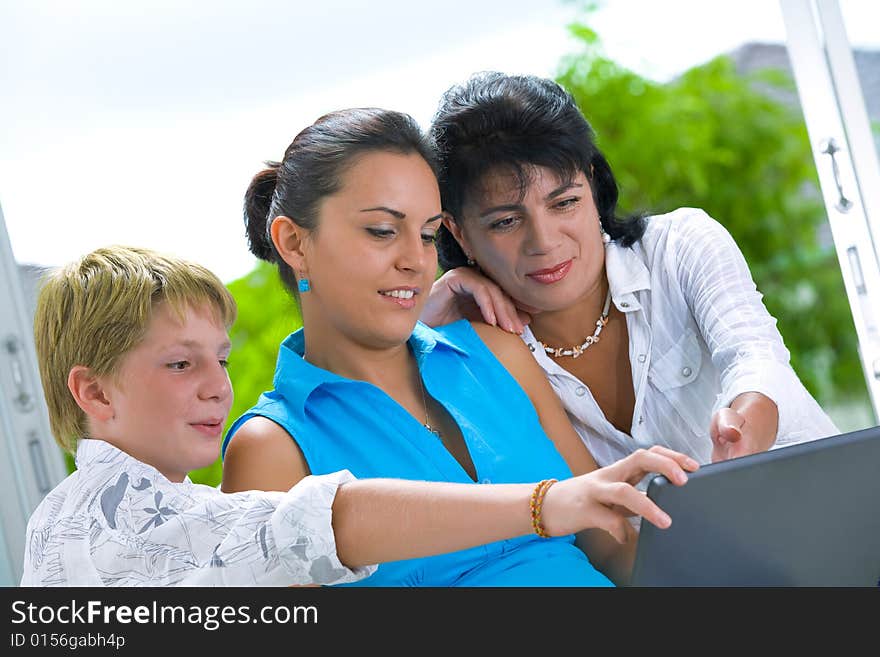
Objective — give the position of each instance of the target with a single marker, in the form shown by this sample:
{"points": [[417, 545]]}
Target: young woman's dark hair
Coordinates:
{"points": [[496, 122], [313, 167]]}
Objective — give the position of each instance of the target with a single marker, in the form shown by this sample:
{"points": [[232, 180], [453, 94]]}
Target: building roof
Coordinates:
{"points": [[752, 57]]}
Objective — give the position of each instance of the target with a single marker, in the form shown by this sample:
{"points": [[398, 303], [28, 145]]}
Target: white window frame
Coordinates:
{"points": [[846, 161], [31, 463]]}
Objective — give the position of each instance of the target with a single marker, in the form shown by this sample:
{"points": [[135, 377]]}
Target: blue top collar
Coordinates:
{"points": [[297, 379]]}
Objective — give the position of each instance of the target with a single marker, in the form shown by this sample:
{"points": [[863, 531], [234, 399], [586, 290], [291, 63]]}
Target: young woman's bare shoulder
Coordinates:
{"points": [[515, 356], [263, 456], [507, 347]]}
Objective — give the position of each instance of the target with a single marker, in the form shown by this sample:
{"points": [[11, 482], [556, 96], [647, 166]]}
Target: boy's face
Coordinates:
{"points": [[172, 393]]}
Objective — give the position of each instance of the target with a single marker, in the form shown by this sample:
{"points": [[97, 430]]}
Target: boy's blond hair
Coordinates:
{"points": [[91, 312]]}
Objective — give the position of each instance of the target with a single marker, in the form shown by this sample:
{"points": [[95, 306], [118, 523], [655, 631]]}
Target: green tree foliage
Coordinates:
{"points": [[267, 314], [717, 140]]}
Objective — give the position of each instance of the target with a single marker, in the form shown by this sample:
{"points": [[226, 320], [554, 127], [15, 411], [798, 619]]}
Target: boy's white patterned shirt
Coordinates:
{"points": [[116, 521]]}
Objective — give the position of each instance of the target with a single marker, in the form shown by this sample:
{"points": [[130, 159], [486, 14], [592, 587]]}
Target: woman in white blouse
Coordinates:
{"points": [[650, 330]]}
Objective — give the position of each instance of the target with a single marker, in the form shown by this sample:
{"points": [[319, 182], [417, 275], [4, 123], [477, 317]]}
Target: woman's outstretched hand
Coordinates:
{"points": [[606, 497], [464, 293], [748, 426]]}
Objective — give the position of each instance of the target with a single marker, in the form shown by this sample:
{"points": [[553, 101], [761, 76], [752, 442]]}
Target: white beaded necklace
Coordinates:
{"points": [[577, 350]]}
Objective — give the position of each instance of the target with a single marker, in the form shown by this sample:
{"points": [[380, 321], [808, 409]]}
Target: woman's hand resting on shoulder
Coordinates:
{"points": [[464, 293], [606, 497]]}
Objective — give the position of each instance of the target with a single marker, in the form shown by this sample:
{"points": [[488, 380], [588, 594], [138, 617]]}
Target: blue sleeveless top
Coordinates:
{"points": [[340, 423]]}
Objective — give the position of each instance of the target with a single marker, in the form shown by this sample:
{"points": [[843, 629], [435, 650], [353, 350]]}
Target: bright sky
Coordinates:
{"points": [[142, 122]]}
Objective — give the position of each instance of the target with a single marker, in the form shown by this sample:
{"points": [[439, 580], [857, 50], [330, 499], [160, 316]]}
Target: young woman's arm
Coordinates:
{"points": [[377, 520]]}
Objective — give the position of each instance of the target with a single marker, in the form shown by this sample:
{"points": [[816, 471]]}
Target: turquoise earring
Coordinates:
{"points": [[304, 285]]}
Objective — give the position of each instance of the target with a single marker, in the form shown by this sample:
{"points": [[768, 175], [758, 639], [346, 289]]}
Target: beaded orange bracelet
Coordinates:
{"points": [[535, 504]]}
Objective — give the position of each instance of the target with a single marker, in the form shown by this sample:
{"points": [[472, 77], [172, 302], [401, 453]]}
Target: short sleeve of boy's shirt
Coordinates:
{"points": [[119, 522]]}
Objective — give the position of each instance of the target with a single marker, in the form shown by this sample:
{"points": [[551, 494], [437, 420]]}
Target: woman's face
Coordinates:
{"points": [[372, 259], [544, 249]]}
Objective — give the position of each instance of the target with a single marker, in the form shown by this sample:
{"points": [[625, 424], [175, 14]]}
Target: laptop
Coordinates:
{"points": [[803, 515]]}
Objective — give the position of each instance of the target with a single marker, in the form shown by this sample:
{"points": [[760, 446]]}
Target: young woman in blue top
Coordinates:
{"points": [[350, 218]]}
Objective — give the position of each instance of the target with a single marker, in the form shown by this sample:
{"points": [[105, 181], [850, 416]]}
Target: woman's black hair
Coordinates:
{"points": [[312, 169], [504, 122]]}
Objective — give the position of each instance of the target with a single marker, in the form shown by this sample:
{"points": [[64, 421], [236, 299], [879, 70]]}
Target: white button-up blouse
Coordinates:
{"points": [[699, 335], [117, 521]]}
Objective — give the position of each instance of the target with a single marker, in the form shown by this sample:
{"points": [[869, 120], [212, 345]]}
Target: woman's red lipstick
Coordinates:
{"points": [[552, 274]]}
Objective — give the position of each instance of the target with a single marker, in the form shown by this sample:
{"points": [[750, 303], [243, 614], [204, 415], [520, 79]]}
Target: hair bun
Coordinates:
{"points": [[257, 203]]}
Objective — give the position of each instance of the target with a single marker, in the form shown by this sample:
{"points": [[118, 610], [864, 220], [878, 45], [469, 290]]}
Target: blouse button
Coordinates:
{"points": [[642, 358], [624, 304], [531, 347], [580, 391], [485, 480], [686, 371]]}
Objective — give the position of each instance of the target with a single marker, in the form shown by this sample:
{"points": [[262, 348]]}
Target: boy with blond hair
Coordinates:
{"points": [[132, 348]]}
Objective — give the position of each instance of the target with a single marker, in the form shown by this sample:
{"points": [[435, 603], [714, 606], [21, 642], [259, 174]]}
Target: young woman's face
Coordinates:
{"points": [[545, 249], [172, 393], [372, 259]]}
